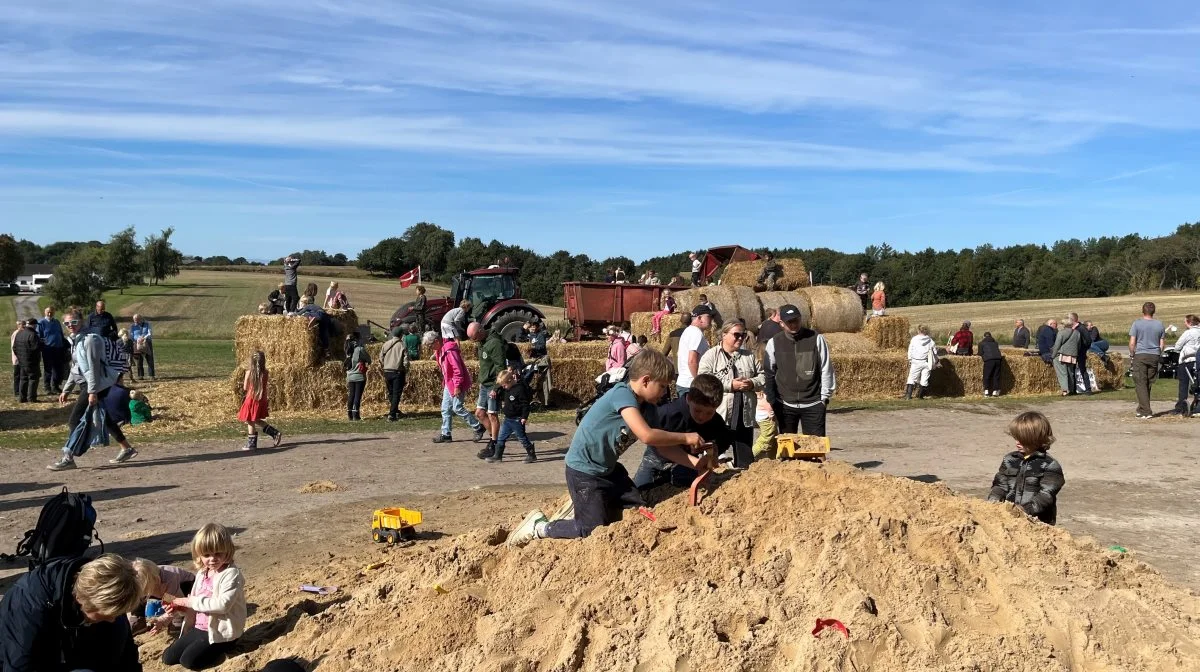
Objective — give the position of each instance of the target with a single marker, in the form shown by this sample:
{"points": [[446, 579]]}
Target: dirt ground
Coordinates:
{"points": [[1129, 483]]}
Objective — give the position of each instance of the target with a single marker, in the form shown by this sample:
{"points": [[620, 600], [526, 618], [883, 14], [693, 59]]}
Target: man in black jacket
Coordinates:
{"points": [[1045, 340], [800, 378], [28, 350], [69, 614], [102, 323]]}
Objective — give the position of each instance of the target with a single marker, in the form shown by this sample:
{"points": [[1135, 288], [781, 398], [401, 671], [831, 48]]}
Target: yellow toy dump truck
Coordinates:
{"points": [[394, 525]]}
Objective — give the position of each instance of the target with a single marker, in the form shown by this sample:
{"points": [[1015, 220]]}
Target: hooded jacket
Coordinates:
{"points": [[28, 348], [43, 630], [922, 348], [90, 364], [1188, 344], [455, 376]]}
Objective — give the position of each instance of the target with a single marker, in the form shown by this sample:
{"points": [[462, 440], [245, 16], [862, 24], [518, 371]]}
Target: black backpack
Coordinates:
{"points": [[65, 529]]}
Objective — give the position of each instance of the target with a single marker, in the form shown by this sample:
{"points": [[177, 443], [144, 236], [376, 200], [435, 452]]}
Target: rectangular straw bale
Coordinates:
{"points": [[643, 325], [745, 273], [849, 344], [284, 340], [888, 332], [574, 380], [834, 309]]}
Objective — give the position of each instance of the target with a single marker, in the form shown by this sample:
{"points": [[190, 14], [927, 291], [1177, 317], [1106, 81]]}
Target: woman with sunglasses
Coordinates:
{"points": [[741, 377]]}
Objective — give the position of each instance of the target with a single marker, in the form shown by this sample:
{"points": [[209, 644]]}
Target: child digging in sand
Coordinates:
{"points": [[215, 611], [1028, 477], [157, 582], [598, 484]]}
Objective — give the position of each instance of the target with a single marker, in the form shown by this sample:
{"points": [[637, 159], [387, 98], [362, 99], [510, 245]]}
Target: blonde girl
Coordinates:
{"points": [[215, 611], [335, 299], [255, 408], [879, 300]]}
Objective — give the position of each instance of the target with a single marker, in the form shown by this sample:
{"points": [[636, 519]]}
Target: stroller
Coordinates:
{"points": [[1168, 363], [604, 382], [536, 376]]}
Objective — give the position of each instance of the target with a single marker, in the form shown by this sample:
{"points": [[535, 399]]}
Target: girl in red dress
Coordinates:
{"points": [[255, 408]]}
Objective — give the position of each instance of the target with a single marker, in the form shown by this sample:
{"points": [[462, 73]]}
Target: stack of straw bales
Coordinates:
{"points": [[289, 341], [745, 274], [887, 332]]}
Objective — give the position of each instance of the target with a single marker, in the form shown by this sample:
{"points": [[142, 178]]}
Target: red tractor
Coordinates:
{"points": [[495, 297]]}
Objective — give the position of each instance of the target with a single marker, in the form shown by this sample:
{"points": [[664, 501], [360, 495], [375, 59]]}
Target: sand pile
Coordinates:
{"points": [[922, 578]]}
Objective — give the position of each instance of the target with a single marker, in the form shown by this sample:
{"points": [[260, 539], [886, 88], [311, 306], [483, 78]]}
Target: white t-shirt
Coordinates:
{"points": [[449, 330], [691, 340], [696, 266]]}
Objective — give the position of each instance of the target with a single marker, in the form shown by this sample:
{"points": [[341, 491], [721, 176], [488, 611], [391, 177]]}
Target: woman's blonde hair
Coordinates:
{"points": [[333, 284], [148, 575], [505, 377], [880, 287], [123, 334], [212, 539], [1032, 430], [108, 586]]}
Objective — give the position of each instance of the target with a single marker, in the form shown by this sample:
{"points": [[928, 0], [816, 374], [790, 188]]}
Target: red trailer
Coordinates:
{"points": [[591, 306]]}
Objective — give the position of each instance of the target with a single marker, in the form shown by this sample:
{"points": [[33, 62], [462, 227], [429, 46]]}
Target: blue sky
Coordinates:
{"points": [[258, 127]]}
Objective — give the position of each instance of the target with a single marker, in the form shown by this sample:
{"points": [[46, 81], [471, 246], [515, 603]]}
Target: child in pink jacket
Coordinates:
{"points": [[456, 382]]}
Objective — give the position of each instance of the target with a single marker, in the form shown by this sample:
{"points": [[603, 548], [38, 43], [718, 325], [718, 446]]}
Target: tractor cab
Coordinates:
{"points": [[485, 288], [495, 296]]}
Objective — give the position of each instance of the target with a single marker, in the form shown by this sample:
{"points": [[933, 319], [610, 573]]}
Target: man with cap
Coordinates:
{"points": [[799, 374], [692, 346]]}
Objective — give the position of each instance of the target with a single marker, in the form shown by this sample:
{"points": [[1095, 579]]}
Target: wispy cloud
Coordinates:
{"points": [[1134, 173]]}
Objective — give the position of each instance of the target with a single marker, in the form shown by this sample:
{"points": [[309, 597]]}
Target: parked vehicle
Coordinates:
{"points": [[495, 296], [591, 306]]}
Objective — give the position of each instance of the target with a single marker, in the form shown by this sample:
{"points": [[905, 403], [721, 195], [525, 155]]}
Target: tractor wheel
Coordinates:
{"points": [[510, 323]]}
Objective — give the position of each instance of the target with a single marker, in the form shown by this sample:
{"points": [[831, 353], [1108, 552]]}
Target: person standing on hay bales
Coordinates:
{"points": [[598, 483], [922, 360], [357, 361], [1066, 356], [1020, 338], [799, 375], [395, 358], [456, 381], [96, 377], [696, 266], [769, 277], [863, 289], [454, 322], [741, 380], [879, 300], [989, 350], [255, 407], [1046, 335], [1187, 346], [290, 278], [1145, 350], [1028, 477], [492, 360], [419, 307], [692, 346]]}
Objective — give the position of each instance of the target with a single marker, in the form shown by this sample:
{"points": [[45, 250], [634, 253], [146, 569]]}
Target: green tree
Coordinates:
{"points": [[386, 257], [78, 278], [12, 259], [162, 260], [429, 246], [123, 260]]}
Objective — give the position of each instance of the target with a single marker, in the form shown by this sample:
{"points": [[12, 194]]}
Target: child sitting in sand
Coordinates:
{"points": [[695, 411], [158, 582], [215, 610], [598, 484], [1028, 477]]}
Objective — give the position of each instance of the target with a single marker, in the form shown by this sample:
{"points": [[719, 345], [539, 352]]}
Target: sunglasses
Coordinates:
{"points": [[739, 335], [72, 323]]}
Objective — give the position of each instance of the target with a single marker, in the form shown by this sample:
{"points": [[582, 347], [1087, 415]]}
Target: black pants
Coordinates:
{"points": [[17, 380], [81, 406], [395, 381], [30, 373], [355, 395], [743, 440], [991, 374], [1186, 373], [598, 501], [292, 300], [810, 421], [193, 651], [146, 356]]}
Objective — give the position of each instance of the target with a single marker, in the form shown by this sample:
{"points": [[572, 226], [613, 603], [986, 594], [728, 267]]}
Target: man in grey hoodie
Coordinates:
{"points": [[96, 380]]}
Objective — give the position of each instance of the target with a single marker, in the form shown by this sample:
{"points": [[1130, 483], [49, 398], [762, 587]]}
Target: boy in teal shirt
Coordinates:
{"points": [[599, 485]]}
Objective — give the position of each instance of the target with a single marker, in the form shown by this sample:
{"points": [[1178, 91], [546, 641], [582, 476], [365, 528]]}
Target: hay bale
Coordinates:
{"points": [[833, 309], [745, 274], [776, 300], [732, 301], [289, 340], [578, 350], [888, 332], [849, 344], [643, 325]]}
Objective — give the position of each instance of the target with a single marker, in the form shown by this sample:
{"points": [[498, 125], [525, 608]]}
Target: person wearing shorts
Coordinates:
{"points": [[491, 363]]}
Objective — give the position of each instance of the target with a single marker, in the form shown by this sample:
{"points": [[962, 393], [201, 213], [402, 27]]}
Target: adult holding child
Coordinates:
{"points": [[799, 376], [1145, 350], [741, 380]]}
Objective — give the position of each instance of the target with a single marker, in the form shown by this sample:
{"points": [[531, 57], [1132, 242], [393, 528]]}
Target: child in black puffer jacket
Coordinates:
{"points": [[1028, 476]]}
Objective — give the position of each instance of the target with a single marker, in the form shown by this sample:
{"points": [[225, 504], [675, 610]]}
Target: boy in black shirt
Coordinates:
{"points": [[695, 411], [514, 404]]}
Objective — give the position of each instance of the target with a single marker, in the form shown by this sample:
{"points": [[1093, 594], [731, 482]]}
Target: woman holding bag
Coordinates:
{"points": [[742, 379]]}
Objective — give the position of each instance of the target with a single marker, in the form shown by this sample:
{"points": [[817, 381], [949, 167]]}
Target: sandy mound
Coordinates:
{"points": [[956, 583], [318, 487]]}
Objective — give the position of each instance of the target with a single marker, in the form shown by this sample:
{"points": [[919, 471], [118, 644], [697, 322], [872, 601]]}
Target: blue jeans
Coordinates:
{"points": [[656, 470], [454, 404], [513, 427]]}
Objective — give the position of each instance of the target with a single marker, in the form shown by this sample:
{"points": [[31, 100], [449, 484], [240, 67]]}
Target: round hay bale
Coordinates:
{"points": [[888, 332], [745, 273], [776, 300], [732, 301], [834, 309]]}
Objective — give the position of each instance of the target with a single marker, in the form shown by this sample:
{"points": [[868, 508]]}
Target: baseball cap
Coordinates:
{"points": [[31, 323], [788, 313], [701, 310]]}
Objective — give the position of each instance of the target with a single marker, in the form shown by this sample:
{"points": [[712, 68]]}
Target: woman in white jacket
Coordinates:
{"points": [[1188, 345], [922, 358]]}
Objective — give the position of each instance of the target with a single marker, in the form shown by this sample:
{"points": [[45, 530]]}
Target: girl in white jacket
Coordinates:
{"points": [[1188, 345], [216, 609], [922, 358]]}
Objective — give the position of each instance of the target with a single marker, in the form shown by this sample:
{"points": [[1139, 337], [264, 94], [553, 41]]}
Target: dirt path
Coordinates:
{"points": [[1132, 484], [26, 307]]}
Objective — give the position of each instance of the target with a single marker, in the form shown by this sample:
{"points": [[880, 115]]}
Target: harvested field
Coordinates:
{"points": [[888, 332], [922, 578], [833, 309], [731, 301], [745, 274]]}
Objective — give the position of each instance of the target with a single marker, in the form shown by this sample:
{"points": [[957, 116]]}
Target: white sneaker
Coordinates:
{"points": [[124, 456], [987, 393], [527, 531], [63, 464]]}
